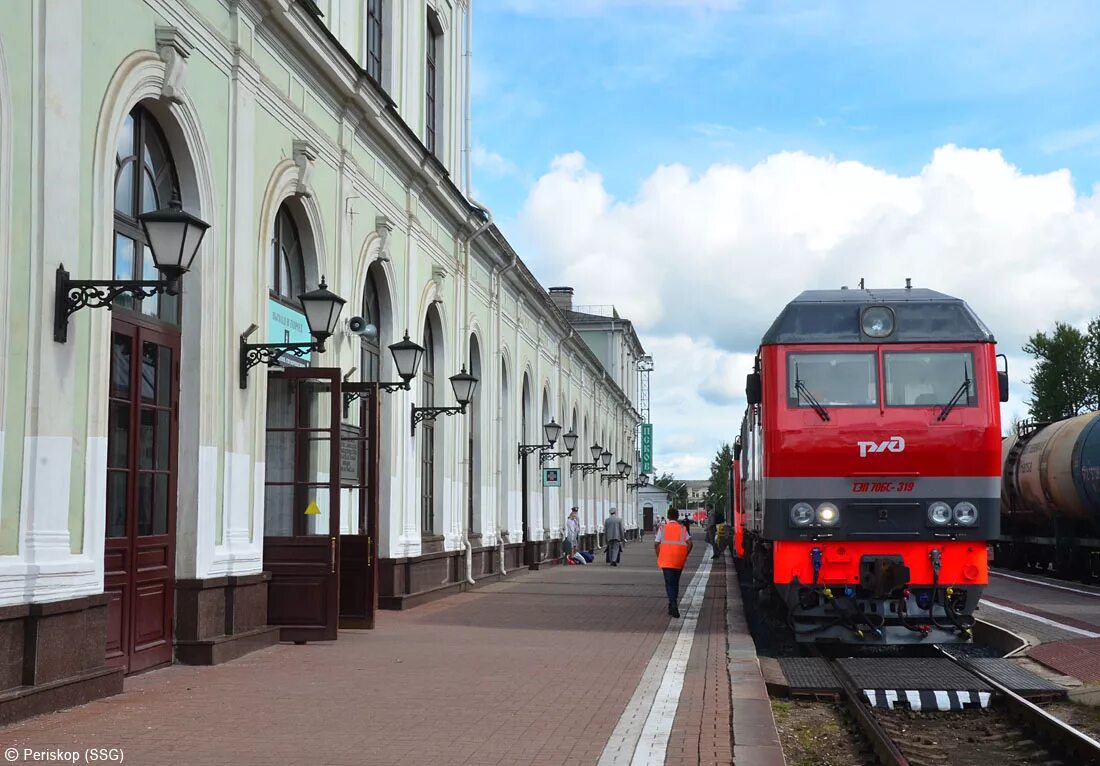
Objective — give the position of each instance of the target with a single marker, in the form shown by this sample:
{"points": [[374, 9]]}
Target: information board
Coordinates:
{"points": [[647, 448], [285, 325]]}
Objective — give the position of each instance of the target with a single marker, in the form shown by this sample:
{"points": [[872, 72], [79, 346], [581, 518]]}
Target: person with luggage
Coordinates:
{"points": [[672, 546], [572, 537]]}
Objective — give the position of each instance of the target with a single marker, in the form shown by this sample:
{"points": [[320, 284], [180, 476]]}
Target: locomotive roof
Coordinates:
{"points": [[833, 316]]}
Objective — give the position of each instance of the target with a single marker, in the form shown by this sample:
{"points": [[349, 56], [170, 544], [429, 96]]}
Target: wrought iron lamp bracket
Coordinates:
{"points": [[528, 449], [253, 354], [430, 413], [547, 456], [389, 388], [71, 295], [591, 467]]}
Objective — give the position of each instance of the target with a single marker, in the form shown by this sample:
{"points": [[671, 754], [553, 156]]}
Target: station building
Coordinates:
{"points": [[172, 488]]}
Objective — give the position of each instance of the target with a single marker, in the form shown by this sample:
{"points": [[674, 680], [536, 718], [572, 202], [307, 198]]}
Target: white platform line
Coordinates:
{"points": [[1045, 584], [1043, 620], [641, 735]]}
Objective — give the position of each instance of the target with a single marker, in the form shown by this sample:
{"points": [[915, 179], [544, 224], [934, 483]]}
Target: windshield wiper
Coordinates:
{"points": [[964, 388], [801, 390]]}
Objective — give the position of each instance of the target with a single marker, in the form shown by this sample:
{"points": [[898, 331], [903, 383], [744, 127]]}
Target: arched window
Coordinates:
{"points": [[145, 180], [473, 496], [371, 347], [427, 452], [286, 280]]}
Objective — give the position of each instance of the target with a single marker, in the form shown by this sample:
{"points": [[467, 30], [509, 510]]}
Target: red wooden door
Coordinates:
{"points": [[302, 502], [359, 490], [142, 442]]}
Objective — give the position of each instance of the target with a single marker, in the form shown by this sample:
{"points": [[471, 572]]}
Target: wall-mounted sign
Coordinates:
{"points": [[551, 477], [647, 448], [351, 448], [285, 325]]}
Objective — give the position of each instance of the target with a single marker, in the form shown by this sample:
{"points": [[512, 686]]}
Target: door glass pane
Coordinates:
{"points": [[145, 438], [278, 511], [164, 377], [317, 500], [145, 504], [280, 402], [279, 465], [160, 504], [116, 503], [164, 440], [120, 366], [318, 397], [148, 371], [319, 466], [118, 436], [149, 270]]}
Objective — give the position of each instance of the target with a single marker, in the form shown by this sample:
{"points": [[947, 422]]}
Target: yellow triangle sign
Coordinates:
{"points": [[312, 509]]}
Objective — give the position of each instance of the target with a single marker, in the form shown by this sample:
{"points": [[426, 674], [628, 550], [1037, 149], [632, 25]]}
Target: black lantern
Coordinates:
{"points": [[322, 310], [406, 357], [595, 449], [174, 236], [570, 441], [463, 385], [605, 458], [552, 430], [623, 467]]}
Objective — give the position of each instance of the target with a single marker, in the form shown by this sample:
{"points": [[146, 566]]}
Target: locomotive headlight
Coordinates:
{"points": [[877, 321], [802, 514], [827, 514], [939, 513], [966, 514]]}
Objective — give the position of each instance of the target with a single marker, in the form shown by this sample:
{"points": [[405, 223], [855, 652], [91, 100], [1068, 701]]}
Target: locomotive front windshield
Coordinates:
{"points": [[929, 378], [836, 379]]}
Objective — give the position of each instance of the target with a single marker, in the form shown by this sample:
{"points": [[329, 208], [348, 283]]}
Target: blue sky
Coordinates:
{"points": [[634, 85]]}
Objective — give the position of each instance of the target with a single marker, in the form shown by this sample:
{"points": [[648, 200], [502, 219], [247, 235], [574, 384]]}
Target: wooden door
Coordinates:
{"points": [[359, 490], [302, 502], [142, 443]]}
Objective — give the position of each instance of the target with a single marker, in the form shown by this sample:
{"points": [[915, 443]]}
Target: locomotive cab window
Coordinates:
{"points": [[832, 379], [929, 378]]}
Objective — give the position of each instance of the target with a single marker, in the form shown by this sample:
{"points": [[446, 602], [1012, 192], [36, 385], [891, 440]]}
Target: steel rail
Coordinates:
{"points": [[882, 743], [1053, 729]]}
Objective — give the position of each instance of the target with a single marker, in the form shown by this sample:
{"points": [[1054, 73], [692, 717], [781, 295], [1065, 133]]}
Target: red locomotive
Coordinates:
{"points": [[869, 465]]}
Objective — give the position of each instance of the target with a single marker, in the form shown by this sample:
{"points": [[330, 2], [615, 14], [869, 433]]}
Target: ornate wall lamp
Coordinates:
{"points": [[550, 431], [643, 481], [596, 451], [570, 442], [322, 309], [406, 357], [463, 384], [624, 472], [174, 236]]}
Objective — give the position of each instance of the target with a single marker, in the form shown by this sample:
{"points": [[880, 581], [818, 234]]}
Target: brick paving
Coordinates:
{"points": [[534, 670]]}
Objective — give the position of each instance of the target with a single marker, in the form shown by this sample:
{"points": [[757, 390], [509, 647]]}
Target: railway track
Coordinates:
{"points": [[1013, 730]]}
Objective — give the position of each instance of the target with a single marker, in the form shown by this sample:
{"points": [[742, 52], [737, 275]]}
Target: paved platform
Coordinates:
{"points": [[542, 669], [1060, 619]]}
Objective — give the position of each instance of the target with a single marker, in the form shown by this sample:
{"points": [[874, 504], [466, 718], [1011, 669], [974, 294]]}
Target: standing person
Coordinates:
{"points": [[712, 523], [572, 534], [673, 544], [613, 528], [722, 535]]}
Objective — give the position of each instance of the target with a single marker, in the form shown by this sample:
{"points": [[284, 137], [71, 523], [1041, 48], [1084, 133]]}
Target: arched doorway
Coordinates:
{"points": [[473, 499], [530, 545], [143, 414], [302, 454]]}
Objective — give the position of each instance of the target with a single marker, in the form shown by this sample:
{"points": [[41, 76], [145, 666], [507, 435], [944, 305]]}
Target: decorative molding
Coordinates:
{"points": [[384, 227], [174, 49], [305, 155]]}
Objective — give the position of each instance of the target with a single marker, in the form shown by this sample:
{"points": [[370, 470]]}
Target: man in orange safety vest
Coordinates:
{"points": [[673, 544]]}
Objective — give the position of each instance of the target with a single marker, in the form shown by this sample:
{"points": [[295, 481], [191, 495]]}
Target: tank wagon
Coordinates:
{"points": [[870, 465], [1050, 497]]}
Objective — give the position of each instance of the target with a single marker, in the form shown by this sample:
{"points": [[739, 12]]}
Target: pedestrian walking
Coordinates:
{"points": [[572, 535], [673, 544], [613, 528]]}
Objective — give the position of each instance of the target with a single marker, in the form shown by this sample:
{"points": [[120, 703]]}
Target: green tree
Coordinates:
{"points": [[718, 491], [1064, 381], [678, 488]]}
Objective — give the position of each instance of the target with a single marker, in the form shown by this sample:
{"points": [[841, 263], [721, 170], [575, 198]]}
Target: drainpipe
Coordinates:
{"points": [[499, 280]]}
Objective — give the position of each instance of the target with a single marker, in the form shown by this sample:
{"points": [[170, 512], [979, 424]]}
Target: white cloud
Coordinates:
{"points": [[491, 162], [703, 263], [587, 7]]}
